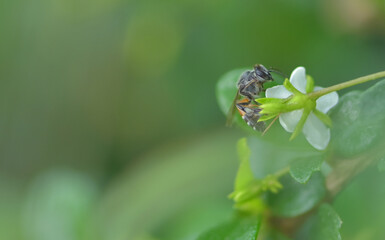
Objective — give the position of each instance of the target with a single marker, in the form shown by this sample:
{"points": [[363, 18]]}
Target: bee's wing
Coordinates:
{"points": [[230, 114]]}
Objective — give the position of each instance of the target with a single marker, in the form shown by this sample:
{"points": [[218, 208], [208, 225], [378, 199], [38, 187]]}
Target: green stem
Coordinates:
{"points": [[282, 172], [315, 95]]}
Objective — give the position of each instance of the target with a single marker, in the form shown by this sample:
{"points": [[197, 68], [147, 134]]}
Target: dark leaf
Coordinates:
{"points": [[240, 228], [302, 168], [269, 157], [296, 198], [323, 226], [359, 121]]}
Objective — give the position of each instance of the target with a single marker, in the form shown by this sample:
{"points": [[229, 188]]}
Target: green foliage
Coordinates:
{"points": [[275, 235], [328, 224], [240, 228], [79, 79], [247, 187], [301, 169], [324, 225], [188, 184], [244, 175], [269, 157], [262, 183], [359, 121], [361, 207], [381, 164], [295, 198]]}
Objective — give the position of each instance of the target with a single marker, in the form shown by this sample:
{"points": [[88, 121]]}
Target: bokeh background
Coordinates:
{"points": [[109, 126]]}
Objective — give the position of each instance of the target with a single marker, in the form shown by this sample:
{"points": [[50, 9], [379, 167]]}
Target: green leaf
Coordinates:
{"points": [[253, 206], [296, 198], [361, 206], [329, 224], [244, 174], [247, 187], [274, 235], [324, 225], [359, 121], [240, 228], [267, 157], [302, 168], [226, 90]]}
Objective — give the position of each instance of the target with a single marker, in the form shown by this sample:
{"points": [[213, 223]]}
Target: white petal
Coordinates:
{"points": [[277, 92], [316, 132], [290, 120], [298, 79], [326, 102]]}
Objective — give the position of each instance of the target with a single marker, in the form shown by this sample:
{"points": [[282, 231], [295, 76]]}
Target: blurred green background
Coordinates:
{"points": [[109, 125]]}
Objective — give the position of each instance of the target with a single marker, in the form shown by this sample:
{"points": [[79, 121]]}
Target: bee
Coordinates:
{"points": [[250, 113], [250, 85]]}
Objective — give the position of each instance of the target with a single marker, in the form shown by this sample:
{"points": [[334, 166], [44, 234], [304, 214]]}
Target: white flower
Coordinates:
{"points": [[315, 131]]}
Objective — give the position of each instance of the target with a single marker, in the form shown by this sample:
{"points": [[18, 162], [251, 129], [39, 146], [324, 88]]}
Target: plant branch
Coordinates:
{"points": [[371, 77], [346, 169]]}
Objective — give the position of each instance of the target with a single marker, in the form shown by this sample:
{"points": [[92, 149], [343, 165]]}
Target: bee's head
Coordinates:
{"points": [[263, 75]]}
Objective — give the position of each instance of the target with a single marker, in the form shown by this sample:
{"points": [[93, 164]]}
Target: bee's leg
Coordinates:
{"points": [[243, 102], [243, 107]]}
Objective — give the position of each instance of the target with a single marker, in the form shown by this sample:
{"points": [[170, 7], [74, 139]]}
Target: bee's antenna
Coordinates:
{"points": [[277, 71]]}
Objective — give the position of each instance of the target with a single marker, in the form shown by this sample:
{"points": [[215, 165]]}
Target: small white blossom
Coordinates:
{"points": [[315, 131]]}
